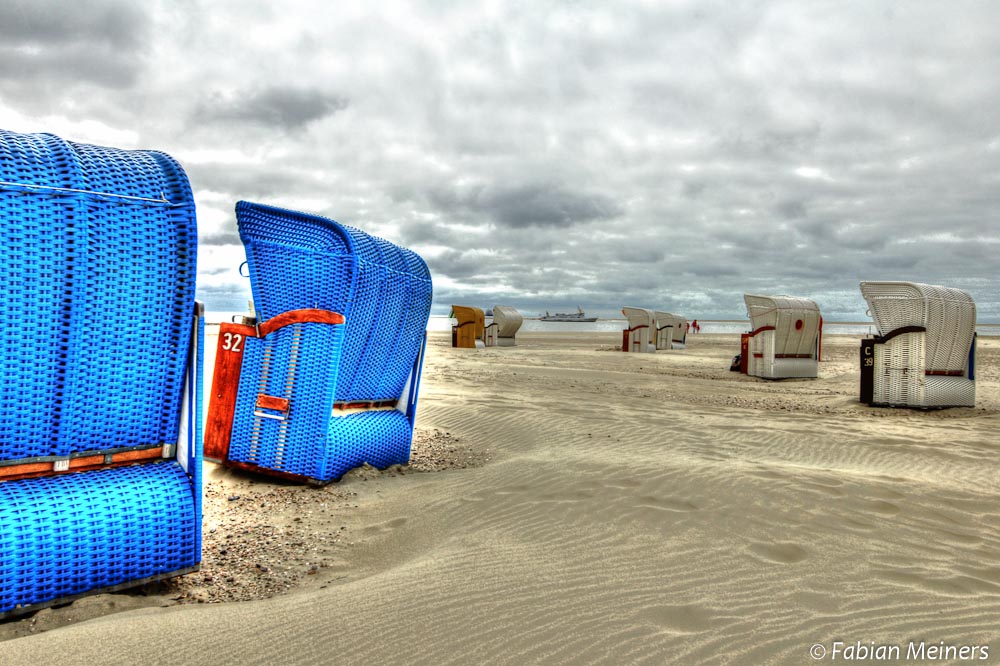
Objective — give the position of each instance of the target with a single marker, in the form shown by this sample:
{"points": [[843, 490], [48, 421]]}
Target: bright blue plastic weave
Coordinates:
{"points": [[99, 250], [69, 534], [99, 291], [300, 261]]}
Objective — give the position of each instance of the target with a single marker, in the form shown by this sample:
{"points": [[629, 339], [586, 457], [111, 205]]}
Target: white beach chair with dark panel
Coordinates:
{"points": [[670, 330], [506, 323], [785, 340], [924, 355], [638, 337]]}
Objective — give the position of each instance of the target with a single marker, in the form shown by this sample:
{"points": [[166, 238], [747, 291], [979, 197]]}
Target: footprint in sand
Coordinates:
{"points": [[781, 553]]}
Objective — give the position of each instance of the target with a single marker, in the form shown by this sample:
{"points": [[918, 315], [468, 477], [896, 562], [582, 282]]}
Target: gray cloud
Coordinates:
{"points": [[119, 24], [530, 205], [279, 106], [55, 47], [546, 155]]}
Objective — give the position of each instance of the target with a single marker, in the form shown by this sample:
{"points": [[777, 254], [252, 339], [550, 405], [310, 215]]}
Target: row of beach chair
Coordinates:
{"points": [[652, 330], [470, 330], [923, 355]]}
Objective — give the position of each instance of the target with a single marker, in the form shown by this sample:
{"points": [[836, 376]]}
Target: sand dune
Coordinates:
{"points": [[569, 504]]}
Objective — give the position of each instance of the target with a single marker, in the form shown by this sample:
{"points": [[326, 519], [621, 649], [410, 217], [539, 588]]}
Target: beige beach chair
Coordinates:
{"points": [[470, 331], [638, 337], [670, 330], [924, 355], [506, 322], [785, 340]]}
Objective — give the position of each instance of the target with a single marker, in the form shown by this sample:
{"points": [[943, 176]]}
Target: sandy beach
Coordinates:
{"points": [[569, 504]]}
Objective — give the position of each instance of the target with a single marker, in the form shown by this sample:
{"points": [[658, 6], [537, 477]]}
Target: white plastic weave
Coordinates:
{"points": [[948, 314]]}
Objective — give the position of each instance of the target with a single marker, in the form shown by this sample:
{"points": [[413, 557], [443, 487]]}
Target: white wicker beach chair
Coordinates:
{"points": [[924, 355], [638, 337], [506, 322], [785, 340], [671, 330]]}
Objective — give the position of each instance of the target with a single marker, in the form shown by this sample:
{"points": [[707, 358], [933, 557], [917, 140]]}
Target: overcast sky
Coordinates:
{"points": [[671, 155]]}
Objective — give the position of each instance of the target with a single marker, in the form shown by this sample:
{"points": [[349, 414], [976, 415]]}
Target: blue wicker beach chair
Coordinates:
{"points": [[100, 443], [327, 378]]}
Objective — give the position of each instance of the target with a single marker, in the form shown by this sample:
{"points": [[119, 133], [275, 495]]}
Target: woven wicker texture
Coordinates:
{"points": [[100, 250], [949, 315], [379, 438], [299, 261], [293, 363], [905, 365], [99, 270], [69, 534]]}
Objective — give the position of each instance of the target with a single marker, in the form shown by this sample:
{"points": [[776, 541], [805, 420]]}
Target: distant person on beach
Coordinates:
{"points": [[694, 326]]}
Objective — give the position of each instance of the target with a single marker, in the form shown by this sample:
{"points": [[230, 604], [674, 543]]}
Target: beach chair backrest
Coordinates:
{"points": [[300, 261], [638, 316], [507, 319], [796, 322], [99, 250]]}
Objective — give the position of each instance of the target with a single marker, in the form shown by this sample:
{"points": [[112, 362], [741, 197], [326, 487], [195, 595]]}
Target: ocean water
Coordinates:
{"points": [[439, 323]]}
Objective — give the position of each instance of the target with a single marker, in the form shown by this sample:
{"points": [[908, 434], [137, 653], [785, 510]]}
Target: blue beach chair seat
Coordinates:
{"points": [[99, 437]]}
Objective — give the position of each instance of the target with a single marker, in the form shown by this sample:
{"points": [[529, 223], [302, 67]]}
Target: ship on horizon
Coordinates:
{"points": [[579, 316]]}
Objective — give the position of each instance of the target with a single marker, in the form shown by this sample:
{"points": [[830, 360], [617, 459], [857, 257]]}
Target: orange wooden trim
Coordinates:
{"points": [[761, 330], [225, 383], [307, 315], [636, 328], [11, 472], [271, 402], [945, 373], [81, 464], [758, 355], [257, 469]]}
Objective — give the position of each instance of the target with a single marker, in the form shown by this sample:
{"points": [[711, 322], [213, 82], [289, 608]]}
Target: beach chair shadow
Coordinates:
{"points": [[100, 471]]}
